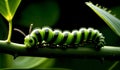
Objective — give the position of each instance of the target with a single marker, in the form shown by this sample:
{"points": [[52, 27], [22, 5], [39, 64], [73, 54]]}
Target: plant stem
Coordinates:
{"points": [[106, 52], [10, 32], [113, 66]]}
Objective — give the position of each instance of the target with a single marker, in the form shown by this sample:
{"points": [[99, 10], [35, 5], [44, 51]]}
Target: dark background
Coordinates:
{"points": [[72, 15]]}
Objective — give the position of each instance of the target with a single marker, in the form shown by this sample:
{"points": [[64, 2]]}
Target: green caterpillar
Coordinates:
{"points": [[66, 38]]}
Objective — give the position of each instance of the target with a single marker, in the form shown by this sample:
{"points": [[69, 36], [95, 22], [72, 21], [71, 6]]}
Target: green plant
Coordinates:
{"points": [[8, 9]]}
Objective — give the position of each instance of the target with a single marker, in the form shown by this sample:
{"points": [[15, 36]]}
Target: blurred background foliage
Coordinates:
{"points": [[64, 15]]}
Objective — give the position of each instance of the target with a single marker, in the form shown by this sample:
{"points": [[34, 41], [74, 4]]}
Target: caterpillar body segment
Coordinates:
{"points": [[48, 34], [57, 38]]}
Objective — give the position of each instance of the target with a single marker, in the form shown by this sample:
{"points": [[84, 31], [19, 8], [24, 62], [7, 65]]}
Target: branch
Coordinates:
{"points": [[108, 52]]}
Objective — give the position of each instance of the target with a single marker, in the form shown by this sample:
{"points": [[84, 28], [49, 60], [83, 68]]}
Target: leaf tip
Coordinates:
{"points": [[87, 3]]}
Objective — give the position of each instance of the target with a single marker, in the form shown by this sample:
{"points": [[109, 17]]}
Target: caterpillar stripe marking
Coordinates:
{"points": [[57, 38]]}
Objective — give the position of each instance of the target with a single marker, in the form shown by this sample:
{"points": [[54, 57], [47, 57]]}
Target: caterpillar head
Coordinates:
{"points": [[29, 41]]}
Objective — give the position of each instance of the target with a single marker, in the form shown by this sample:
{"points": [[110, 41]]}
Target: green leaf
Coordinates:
{"points": [[32, 62], [111, 21], [8, 8]]}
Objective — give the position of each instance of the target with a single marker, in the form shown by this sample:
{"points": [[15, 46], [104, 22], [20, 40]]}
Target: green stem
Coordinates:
{"points": [[10, 32], [9, 19], [106, 52], [114, 65]]}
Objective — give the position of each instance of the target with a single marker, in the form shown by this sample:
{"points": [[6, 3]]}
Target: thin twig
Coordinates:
{"points": [[114, 65]]}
